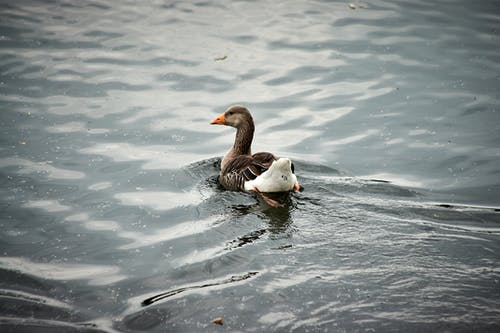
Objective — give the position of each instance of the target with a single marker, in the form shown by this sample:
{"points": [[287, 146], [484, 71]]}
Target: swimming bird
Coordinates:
{"points": [[260, 172]]}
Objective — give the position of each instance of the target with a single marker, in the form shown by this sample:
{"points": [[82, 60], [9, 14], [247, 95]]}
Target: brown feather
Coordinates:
{"points": [[243, 168]]}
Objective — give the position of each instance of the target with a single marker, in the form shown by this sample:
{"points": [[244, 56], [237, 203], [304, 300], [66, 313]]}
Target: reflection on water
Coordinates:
{"points": [[48, 205], [40, 168], [156, 157], [159, 200], [96, 275], [185, 229], [111, 215]]}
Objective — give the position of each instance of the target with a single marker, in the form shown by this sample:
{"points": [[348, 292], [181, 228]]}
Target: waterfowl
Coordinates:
{"points": [[260, 172]]}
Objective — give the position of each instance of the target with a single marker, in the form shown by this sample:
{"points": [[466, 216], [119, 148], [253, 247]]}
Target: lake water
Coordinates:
{"points": [[111, 216]]}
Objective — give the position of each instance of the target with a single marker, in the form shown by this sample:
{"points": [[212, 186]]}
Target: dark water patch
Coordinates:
{"points": [[159, 61], [16, 304], [184, 82], [98, 5], [35, 43], [244, 39], [302, 73], [37, 325], [10, 14], [104, 34], [124, 47], [30, 307], [146, 319], [23, 283], [252, 74], [39, 88]]}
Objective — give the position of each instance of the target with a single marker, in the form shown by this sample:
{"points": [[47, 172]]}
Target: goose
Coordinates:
{"points": [[261, 172]]}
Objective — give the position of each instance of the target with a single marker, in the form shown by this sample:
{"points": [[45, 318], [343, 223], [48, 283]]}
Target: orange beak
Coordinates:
{"points": [[298, 187], [219, 120]]}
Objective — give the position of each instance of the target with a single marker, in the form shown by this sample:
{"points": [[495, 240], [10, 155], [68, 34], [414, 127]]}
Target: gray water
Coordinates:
{"points": [[111, 216]]}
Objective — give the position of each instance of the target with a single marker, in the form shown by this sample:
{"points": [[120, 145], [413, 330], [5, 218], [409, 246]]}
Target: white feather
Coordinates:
{"points": [[278, 178]]}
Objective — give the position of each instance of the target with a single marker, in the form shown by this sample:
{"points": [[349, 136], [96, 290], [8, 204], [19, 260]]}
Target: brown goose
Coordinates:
{"points": [[260, 172]]}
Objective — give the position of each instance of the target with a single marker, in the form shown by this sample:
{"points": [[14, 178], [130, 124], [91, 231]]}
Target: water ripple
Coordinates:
{"points": [[95, 275], [40, 168], [109, 166]]}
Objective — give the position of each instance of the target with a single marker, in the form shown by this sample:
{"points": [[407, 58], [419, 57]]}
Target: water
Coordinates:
{"points": [[111, 217]]}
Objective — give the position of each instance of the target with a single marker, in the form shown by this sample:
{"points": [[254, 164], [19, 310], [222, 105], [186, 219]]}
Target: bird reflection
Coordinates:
{"points": [[279, 219]]}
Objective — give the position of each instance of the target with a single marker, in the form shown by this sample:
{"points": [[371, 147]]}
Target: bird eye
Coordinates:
{"points": [[230, 113]]}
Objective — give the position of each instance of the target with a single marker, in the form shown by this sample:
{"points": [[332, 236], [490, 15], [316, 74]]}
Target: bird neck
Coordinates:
{"points": [[243, 140], [242, 143]]}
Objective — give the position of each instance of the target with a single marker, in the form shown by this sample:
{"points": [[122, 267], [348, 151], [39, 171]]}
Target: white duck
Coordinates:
{"points": [[260, 172]]}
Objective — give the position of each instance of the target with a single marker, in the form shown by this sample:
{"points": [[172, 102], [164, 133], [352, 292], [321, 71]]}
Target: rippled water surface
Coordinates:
{"points": [[111, 216]]}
